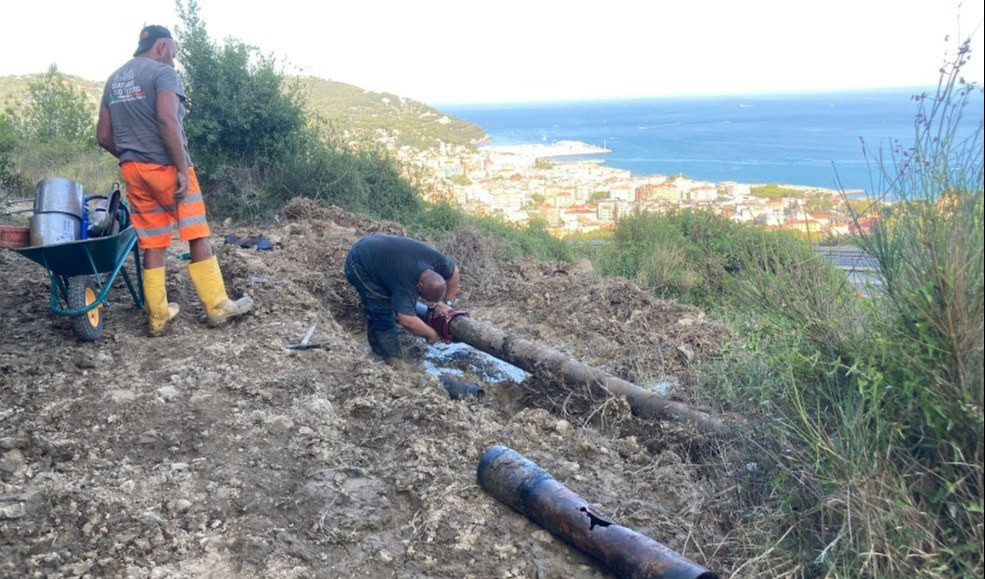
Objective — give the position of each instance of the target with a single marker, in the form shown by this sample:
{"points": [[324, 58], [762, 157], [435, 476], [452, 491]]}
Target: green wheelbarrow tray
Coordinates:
{"points": [[88, 257]]}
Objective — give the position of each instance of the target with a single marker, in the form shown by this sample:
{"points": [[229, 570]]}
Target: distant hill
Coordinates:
{"points": [[14, 88], [408, 122]]}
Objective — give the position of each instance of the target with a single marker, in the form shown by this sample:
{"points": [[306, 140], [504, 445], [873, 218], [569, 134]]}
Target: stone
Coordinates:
{"points": [[543, 536], [168, 393], [12, 463], [14, 511], [181, 506]]}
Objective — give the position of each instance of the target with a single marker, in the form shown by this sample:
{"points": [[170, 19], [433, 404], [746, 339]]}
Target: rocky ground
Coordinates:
{"points": [[218, 453]]}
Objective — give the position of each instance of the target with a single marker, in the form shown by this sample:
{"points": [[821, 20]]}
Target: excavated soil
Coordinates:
{"points": [[218, 453]]}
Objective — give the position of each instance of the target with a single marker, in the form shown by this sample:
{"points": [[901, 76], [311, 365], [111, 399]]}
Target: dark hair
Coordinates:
{"points": [[149, 35]]}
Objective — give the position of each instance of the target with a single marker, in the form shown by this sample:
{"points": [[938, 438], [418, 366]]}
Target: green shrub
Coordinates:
{"points": [[692, 255], [930, 246], [254, 146], [52, 134], [241, 112], [56, 112], [360, 178], [441, 221], [9, 180], [774, 191], [866, 413]]}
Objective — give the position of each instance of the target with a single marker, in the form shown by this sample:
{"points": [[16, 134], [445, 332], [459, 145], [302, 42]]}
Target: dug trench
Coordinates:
{"points": [[219, 453]]}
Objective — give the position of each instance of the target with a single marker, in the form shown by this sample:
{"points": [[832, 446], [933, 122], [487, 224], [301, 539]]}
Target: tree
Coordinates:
{"points": [[240, 113], [8, 140], [57, 112], [253, 145]]}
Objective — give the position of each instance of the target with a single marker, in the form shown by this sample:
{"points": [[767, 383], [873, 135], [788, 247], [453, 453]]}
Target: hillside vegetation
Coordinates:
{"points": [[15, 89], [407, 121], [404, 121]]}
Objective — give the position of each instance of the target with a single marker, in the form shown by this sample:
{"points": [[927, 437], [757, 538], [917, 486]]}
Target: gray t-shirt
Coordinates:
{"points": [[131, 97]]}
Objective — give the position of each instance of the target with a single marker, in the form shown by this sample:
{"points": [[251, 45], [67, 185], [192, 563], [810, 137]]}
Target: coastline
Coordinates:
{"points": [[570, 148], [808, 139], [556, 149]]}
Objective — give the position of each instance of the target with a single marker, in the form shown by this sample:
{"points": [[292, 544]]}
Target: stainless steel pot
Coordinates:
{"points": [[59, 195], [53, 228], [98, 207], [58, 207]]}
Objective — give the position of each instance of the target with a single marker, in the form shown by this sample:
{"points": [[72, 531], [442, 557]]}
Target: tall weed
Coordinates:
{"points": [[868, 410]]}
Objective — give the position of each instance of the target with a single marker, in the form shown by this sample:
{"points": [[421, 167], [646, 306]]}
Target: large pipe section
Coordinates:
{"points": [[536, 359], [531, 491]]}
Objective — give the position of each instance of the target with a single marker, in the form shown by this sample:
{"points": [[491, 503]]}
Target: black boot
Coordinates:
{"points": [[389, 343], [374, 342]]}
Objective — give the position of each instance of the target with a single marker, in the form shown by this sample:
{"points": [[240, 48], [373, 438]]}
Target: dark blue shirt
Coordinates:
{"points": [[395, 264]]}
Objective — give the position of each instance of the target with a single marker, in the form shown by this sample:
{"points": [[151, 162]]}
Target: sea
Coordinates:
{"points": [[799, 139]]}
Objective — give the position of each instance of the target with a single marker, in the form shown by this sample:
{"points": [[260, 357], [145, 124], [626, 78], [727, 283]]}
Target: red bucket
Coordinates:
{"points": [[14, 236]]}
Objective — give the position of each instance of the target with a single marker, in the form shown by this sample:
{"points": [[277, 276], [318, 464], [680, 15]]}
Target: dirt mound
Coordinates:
{"points": [[218, 453]]}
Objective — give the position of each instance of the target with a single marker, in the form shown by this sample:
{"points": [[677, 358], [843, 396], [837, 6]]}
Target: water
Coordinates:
{"points": [[451, 358], [796, 139]]}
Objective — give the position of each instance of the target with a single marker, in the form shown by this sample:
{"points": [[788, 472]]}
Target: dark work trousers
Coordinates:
{"points": [[381, 328]]}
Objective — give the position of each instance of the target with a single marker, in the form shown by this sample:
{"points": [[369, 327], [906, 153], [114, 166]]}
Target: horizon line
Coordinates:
{"points": [[744, 94], [600, 99]]}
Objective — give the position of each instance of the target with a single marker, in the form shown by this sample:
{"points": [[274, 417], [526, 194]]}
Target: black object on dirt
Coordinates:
{"points": [[251, 242], [458, 390]]}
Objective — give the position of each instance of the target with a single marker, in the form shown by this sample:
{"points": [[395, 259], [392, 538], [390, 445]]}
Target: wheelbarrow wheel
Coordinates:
{"points": [[81, 293]]}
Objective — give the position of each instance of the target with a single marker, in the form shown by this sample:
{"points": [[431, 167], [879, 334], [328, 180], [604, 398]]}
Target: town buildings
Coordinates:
{"points": [[572, 195]]}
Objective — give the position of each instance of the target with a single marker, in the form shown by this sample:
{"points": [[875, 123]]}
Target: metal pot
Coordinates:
{"points": [[98, 206], [53, 228], [59, 195]]}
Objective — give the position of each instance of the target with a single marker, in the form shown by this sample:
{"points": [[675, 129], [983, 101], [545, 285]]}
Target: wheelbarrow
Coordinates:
{"points": [[82, 273]]}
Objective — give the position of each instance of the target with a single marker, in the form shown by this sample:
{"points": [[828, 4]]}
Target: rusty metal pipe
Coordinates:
{"points": [[531, 491], [535, 358]]}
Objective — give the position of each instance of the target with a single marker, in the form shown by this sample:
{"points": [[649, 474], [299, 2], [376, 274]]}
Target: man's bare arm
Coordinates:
{"points": [[104, 132], [167, 120], [452, 285], [416, 326]]}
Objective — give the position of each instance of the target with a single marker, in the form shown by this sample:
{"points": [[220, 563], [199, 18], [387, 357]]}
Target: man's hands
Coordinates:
{"points": [[416, 326], [180, 187]]}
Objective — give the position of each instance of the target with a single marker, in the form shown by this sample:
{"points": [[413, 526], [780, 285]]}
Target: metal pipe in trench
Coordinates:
{"points": [[534, 358]]}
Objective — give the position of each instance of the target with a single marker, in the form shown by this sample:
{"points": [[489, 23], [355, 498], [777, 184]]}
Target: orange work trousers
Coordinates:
{"points": [[150, 189]]}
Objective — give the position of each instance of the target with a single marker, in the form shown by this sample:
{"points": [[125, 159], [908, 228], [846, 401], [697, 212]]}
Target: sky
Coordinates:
{"points": [[461, 51]]}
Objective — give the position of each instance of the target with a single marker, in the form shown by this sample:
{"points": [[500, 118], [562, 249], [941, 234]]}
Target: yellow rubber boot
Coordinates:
{"points": [[208, 283], [159, 311]]}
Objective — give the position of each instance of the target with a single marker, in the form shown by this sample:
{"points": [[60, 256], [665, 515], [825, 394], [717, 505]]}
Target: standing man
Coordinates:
{"points": [[390, 273], [140, 123]]}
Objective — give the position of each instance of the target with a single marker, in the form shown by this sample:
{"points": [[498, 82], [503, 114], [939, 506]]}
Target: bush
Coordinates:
{"points": [[692, 255], [240, 111], [9, 180], [360, 178], [866, 413], [930, 246], [441, 221], [52, 135], [56, 112], [255, 148]]}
